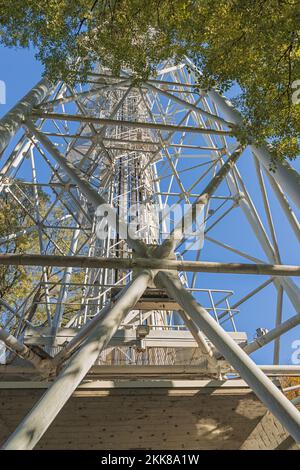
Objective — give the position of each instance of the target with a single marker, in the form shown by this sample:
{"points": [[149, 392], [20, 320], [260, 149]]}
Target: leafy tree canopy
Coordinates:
{"points": [[251, 43]]}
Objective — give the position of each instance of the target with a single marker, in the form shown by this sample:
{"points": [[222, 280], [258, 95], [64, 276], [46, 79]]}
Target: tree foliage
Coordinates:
{"points": [[253, 44]]}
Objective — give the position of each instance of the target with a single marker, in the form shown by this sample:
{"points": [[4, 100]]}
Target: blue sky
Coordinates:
{"points": [[20, 71]]}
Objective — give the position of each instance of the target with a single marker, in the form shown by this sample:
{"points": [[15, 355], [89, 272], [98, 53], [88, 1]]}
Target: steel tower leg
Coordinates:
{"points": [[91, 194], [36, 423]]}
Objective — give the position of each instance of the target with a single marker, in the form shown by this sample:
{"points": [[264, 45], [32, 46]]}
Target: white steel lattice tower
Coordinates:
{"points": [[106, 175]]}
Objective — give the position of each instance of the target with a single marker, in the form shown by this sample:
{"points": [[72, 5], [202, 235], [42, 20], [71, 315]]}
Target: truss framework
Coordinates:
{"points": [[122, 144]]}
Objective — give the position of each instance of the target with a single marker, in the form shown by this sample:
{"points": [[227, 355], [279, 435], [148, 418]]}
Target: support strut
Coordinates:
{"points": [[262, 386]]}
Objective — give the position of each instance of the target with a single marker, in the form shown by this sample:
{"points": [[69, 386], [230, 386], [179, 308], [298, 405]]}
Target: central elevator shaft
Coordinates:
{"points": [[126, 173]]}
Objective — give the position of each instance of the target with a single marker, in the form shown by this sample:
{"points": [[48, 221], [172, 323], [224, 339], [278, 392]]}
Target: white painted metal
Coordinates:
{"points": [[269, 394], [44, 412], [12, 121], [123, 144]]}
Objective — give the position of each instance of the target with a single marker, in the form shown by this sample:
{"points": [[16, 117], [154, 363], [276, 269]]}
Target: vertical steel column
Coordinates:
{"points": [[36, 423], [262, 386]]}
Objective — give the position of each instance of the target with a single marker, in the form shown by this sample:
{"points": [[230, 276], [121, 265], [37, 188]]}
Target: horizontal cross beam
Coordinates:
{"points": [[121, 122], [149, 263]]}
